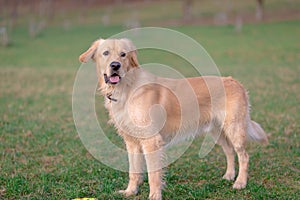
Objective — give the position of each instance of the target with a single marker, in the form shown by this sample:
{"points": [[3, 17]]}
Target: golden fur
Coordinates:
{"points": [[146, 110]]}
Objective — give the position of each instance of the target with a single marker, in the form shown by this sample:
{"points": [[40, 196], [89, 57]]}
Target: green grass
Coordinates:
{"points": [[42, 156]]}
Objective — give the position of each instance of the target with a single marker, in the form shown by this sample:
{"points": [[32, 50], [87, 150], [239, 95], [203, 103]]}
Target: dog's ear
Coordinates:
{"points": [[132, 52], [84, 57], [133, 59]]}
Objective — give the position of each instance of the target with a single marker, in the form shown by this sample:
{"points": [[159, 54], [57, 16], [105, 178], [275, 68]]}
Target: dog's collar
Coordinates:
{"points": [[110, 98]]}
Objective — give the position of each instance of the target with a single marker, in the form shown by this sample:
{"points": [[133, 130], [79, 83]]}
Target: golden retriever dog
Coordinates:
{"points": [[147, 113]]}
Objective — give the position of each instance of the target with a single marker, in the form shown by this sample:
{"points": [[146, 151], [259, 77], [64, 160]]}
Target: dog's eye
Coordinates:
{"points": [[122, 54], [105, 53]]}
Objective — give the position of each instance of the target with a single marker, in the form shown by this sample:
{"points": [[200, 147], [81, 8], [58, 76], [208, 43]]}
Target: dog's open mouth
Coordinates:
{"points": [[113, 79]]}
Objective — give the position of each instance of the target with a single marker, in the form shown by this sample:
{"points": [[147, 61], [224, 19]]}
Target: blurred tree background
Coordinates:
{"points": [[37, 15]]}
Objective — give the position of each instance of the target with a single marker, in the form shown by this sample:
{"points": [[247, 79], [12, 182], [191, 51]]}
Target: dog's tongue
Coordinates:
{"points": [[114, 79]]}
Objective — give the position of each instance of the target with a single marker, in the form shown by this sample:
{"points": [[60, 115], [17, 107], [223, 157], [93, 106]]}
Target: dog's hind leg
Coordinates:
{"points": [[229, 153], [236, 134]]}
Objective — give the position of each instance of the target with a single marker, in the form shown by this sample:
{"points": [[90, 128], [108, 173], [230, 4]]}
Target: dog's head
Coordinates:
{"points": [[113, 57]]}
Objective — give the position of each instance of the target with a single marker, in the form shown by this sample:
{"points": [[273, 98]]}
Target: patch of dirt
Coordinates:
{"points": [[49, 162]]}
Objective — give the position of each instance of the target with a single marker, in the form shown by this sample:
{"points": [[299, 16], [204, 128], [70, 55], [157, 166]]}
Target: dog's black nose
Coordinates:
{"points": [[115, 65]]}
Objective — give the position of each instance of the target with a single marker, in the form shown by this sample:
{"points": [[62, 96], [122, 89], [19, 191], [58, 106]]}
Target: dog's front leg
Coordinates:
{"points": [[136, 160], [152, 149]]}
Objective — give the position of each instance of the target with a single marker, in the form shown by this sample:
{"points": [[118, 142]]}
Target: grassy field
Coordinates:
{"points": [[42, 156]]}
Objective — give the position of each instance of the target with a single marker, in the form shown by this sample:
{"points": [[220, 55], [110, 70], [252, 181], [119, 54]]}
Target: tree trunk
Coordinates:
{"points": [[14, 13], [259, 10], [187, 10]]}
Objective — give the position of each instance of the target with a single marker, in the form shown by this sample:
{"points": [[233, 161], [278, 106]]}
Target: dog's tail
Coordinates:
{"points": [[256, 133]]}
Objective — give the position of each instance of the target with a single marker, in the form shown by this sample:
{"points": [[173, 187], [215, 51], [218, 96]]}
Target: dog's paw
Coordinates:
{"points": [[239, 185], [155, 196], [127, 193], [229, 176]]}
